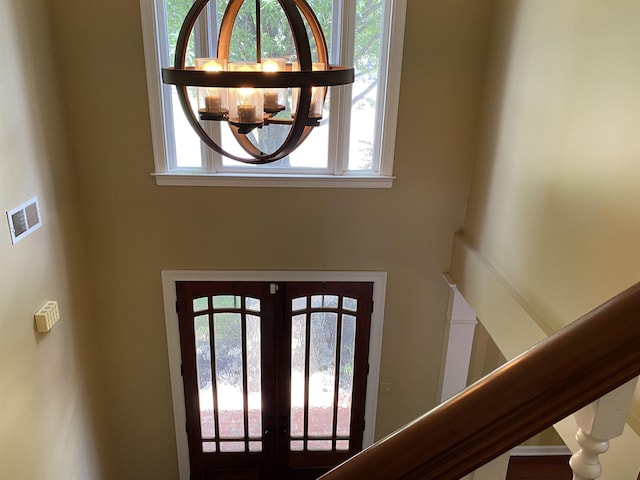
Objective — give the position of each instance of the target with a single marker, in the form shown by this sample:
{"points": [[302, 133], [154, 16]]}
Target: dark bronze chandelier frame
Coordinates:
{"points": [[305, 79]]}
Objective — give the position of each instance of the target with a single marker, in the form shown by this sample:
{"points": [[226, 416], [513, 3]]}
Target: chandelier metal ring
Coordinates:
{"points": [[305, 80], [199, 78]]}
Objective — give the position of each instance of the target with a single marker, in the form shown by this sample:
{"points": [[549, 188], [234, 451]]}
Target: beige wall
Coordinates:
{"points": [[554, 199], [553, 221], [136, 229], [49, 428]]}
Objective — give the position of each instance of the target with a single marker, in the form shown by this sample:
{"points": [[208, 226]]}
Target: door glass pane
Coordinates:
{"points": [[350, 304], [253, 304], [232, 446], [255, 446], [342, 445], [254, 376], [203, 371], [296, 445], [208, 447], [200, 304], [327, 301], [298, 345], [299, 303], [229, 379], [322, 366], [330, 301], [226, 301], [345, 389], [319, 445]]}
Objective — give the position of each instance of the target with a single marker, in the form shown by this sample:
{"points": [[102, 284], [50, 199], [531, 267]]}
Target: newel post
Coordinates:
{"points": [[461, 330], [459, 342], [599, 422]]}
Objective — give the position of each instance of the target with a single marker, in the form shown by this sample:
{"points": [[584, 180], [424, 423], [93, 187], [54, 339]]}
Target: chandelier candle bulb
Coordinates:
{"points": [[273, 96], [317, 94], [270, 99], [317, 102], [213, 103], [212, 100], [246, 114], [246, 103], [247, 99]]}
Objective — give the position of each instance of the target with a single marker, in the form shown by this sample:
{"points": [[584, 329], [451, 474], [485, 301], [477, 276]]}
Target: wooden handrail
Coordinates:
{"points": [[572, 368]]}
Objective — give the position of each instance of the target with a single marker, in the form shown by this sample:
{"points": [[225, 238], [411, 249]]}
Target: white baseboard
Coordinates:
{"points": [[540, 451]]}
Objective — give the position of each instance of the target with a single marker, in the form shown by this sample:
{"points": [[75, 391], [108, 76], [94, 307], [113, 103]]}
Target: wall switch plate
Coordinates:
{"points": [[47, 316]]}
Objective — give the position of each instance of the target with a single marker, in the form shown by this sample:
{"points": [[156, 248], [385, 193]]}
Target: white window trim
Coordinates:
{"points": [[169, 279], [391, 66], [254, 180]]}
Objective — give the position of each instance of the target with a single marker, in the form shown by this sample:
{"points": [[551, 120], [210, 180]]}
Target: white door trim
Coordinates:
{"points": [[169, 279]]}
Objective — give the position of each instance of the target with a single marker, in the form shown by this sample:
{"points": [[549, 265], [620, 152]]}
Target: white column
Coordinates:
{"points": [[461, 327], [599, 422]]}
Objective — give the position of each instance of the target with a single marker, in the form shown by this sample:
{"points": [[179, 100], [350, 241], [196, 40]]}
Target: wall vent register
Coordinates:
{"points": [[24, 220]]}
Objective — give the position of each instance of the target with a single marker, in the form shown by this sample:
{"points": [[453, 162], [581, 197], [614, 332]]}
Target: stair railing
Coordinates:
{"points": [[574, 367]]}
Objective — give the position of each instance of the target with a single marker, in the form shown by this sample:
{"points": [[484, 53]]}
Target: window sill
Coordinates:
{"points": [[273, 180]]}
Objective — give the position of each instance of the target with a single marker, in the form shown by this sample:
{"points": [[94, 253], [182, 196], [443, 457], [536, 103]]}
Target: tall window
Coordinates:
{"points": [[355, 139]]}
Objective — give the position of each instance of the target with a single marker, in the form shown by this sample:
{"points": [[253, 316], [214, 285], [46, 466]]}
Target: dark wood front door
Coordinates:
{"points": [[274, 376]]}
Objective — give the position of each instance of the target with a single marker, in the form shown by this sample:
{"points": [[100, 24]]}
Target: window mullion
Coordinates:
{"points": [[343, 40], [336, 95], [200, 35], [213, 159], [348, 32], [212, 28], [206, 36]]}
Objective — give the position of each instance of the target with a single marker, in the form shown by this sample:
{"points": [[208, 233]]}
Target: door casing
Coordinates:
{"points": [[169, 279]]}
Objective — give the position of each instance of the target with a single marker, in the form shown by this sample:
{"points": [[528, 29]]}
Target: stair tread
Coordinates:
{"points": [[544, 467]]}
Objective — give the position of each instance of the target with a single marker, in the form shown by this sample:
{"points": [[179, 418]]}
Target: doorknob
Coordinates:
{"points": [[284, 431], [267, 432]]}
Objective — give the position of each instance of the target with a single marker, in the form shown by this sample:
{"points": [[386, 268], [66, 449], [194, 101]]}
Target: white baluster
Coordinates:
{"points": [[585, 463], [599, 422]]}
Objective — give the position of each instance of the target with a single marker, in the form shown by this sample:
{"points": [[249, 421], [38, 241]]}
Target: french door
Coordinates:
{"points": [[274, 376]]}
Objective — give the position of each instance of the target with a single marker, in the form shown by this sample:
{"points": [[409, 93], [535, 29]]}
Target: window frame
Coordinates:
{"points": [[337, 175]]}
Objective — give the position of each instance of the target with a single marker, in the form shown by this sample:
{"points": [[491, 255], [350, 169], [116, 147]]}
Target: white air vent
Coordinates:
{"points": [[24, 220]]}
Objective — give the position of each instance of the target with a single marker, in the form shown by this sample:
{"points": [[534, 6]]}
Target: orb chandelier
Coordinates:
{"points": [[254, 95]]}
